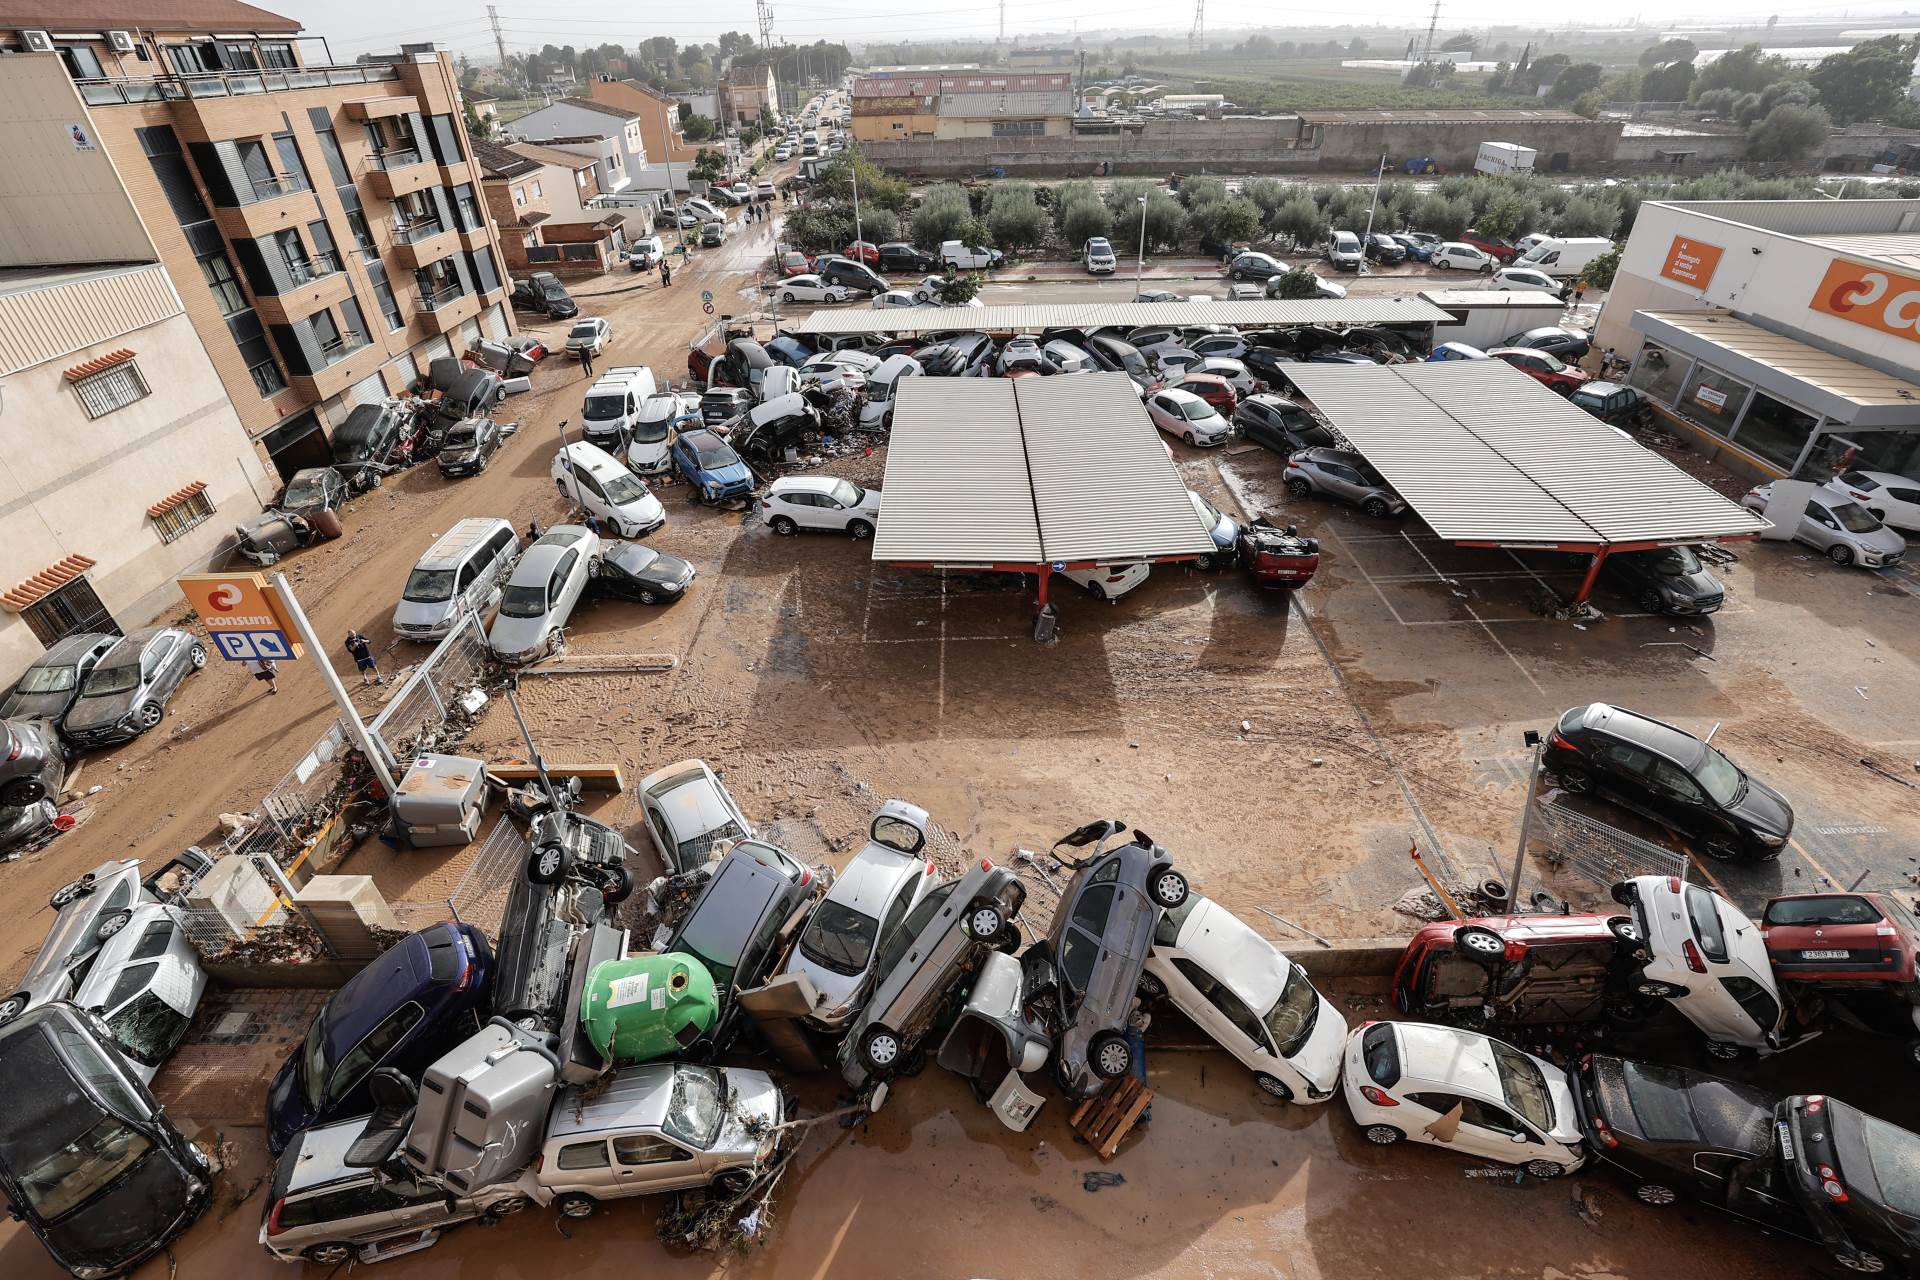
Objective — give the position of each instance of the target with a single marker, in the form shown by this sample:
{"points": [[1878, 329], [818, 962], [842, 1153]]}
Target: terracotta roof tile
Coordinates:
{"points": [[147, 15], [99, 364], [50, 579], [175, 498]]}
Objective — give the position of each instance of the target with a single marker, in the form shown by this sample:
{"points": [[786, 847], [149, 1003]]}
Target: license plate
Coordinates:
{"points": [[1823, 955], [1786, 1139]]}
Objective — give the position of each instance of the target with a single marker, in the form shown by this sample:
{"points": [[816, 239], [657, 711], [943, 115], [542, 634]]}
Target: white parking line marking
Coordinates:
{"points": [[1503, 648]]}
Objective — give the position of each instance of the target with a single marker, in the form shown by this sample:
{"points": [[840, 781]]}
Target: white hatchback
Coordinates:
{"points": [[1184, 414], [1527, 280], [145, 983], [690, 816], [810, 288], [1453, 256], [1460, 1089], [1709, 960], [1107, 581], [794, 503]]}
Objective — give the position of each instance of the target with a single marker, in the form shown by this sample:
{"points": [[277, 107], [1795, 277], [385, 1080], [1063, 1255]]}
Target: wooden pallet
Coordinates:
{"points": [[1107, 1117]]}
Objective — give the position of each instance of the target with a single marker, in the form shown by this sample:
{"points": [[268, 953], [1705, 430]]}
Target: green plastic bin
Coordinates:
{"points": [[645, 1007]]}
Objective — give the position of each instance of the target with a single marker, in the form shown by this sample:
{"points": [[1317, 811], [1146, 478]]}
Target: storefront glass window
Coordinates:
{"points": [[1773, 430], [1712, 399], [1658, 372], [1895, 451]]}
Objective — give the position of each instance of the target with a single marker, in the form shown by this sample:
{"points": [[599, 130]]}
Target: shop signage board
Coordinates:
{"points": [[1691, 262], [1872, 296]]}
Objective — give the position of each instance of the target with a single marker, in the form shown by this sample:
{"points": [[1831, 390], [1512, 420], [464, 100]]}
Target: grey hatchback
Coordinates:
{"points": [[1084, 978], [127, 691], [1339, 473]]}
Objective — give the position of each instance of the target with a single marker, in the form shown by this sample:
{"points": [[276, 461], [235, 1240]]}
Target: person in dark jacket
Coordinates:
{"points": [[362, 650]]}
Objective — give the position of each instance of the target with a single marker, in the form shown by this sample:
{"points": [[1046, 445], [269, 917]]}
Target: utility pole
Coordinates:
{"points": [[1197, 38], [379, 760], [764, 11], [1003, 21], [1432, 26], [499, 41]]}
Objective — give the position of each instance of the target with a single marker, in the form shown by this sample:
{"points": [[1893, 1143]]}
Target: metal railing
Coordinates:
{"points": [[342, 347], [445, 297], [281, 184], [395, 158], [414, 232], [318, 267], [1570, 840], [112, 90], [424, 713], [481, 895]]}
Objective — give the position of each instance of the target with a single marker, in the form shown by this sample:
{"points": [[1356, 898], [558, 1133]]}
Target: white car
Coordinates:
{"points": [[895, 298], [1022, 351], [763, 191], [846, 368], [1171, 360], [594, 480], [1229, 370], [1837, 526], [1158, 295], [702, 210], [810, 288], [541, 594], [1184, 414], [1526, 279], [1107, 581], [589, 334], [145, 983], [1891, 499], [783, 152], [1097, 253], [1453, 256], [1231, 345], [661, 414], [690, 816], [928, 290], [1257, 1004], [646, 251], [1709, 960], [794, 503], [1480, 1096], [865, 906]]}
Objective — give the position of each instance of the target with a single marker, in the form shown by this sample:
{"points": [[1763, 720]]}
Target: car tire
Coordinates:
{"points": [[1544, 1168], [111, 923], [1654, 989], [1273, 1086], [1097, 591], [22, 792], [1382, 1135], [1840, 554], [985, 920], [784, 526], [500, 1209], [1479, 943], [1206, 563], [575, 1205], [787, 296], [1656, 1193], [1167, 887], [1722, 848], [197, 656], [1724, 1051], [1239, 274], [1652, 601], [1191, 442], [881, 1049], [1150, 987], [1299, 488], [1109, 1055], [149, 715], [1008, 940], [13, 1006], [1486, 269], [1575, 780], [70, 891], [1624, 930], [1377, 508], [732, 1184], [1862, 1260], [859, 530], [649, 596], [620, 887], [548, 864], [330, 1254]]}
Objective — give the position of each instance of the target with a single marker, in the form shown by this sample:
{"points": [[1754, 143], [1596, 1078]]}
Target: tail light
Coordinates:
{"points": [[986, 864], [929, 868], [273, 1219], [1377, 1097], [1561, 742], [1606, 1134], [1673, 884], [13, 752], [466, 976], [806, 877], [1830, 1183], [1816, 1103], [1694, 962]]}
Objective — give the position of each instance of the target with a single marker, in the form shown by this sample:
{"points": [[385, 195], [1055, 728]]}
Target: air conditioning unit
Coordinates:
{"points": [[37, 41], [122, 41]]}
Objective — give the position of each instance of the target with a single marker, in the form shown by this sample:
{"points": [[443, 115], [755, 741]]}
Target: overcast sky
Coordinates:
{"points": [[353, 26]]}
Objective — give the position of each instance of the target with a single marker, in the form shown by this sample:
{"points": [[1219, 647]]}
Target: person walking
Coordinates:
{"points": [[586, 361], [362, 650], [1606, 362], [1579, 292], [666, 274], [533, 528], [266, 672]]}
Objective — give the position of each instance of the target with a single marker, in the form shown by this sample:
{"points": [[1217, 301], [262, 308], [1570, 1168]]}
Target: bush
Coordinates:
{"points": [[1227, 221], [878, 226], [1084, 217], [1016, 220], [1123, 195], [1166, 222], [1269, 194], [877, 190], [1788, 132], [1443, 216], [1600, 272], [1296, 284], [1300, 220], [1195, 192], [1586, 216], [819, 226], [957, 290], [945, 214]]}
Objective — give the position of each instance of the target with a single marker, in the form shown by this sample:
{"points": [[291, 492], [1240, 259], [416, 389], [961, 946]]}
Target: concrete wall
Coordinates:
{"points": [[1705, 149], [1359, 144], [62, 201], [1163, 146], [70, 484]]}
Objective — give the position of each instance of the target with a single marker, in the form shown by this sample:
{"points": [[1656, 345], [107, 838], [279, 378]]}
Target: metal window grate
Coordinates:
{"points": [[111, 389], [182, 516]]}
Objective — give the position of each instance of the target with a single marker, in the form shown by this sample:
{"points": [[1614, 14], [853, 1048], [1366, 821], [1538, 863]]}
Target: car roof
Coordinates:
{"points": [[873, 876], [389, 979], [113, 957], [701, 439], [1644, 731], [1178, 394], [537, 565], [629, 1098], [1250, 966], [804, 484], [318, 1157], [592, 457], [131, 646], [450, 547], [1462, 1059], [68, 650]]}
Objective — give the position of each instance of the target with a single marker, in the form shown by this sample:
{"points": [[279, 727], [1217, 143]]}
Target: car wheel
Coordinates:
{"points": [[1840, 553], [1151, 988], [1575, 780], [1654, 989], [1722, 1050], [1652, 601], [1206, 562], [13, 1006], [1655, 1193], [149, 715], [984, 920], [502, 1209], [733, 1183], [197, 656], [548, 864], [1477, 942], [1377, 508], [1191, 442], [649, 596], [784, 526], [620, 888], [1544, 1168], [331, 1254], [1097, 591], [1239, 274], [1109, 1055], [111, 924], [1860, 1260], [1299, 488], [1169, 888], [1008, 940], [1383, 1135], [859, 530], [1625, 930], [1273, 1086], [575, 1205], [23, 791], [880, 1047], [68, 892], [1721, 848]]}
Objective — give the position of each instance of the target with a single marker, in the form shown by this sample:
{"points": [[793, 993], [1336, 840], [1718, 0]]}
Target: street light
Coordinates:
{"points": [[1140, 263]]}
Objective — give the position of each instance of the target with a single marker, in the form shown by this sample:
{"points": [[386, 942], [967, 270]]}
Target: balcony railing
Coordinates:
{"points": [[306, 271], [107, 91], [281, 184], [394, 158], [341, 347], [444, 297], [415, 232]]}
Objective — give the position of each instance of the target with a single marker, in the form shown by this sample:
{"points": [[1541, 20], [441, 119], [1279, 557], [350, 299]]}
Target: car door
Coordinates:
{"points": [[1164, 415], [1490, 1130], [155, 670], [586, 1166], [1224, 1016], [1678, 797], [1341, 480], [563, 588], [1624, 771], [1818, 528], [375, 1048], [804, 510], [647, 1162], [1259, 425], [1426, 1107], [827, 513]]}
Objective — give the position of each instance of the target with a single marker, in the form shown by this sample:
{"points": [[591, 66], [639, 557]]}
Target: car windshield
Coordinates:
{"points": [[840, 938], [1704, 915], [634, 559], [1825, 909], [462, 436], [102, 681], [524, 600], [1876, 1157], [1853, 517], [1195, 410], [603, 407], [697, 1107], [1675, 561], [70, 1175], [1720, 776], [46, 680], [847, 494], [1860, 480], [717, 457], [428, 586], [1523, 1084], [1553, 364], [585, 329], [147, 1028], [306, 490], [694, 851], [622, 488], [1291, 1019], [1208, 512]]}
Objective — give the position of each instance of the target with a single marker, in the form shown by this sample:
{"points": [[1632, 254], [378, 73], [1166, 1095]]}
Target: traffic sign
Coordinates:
{"points": [[707, 307], [243, 615], [706, 295]]}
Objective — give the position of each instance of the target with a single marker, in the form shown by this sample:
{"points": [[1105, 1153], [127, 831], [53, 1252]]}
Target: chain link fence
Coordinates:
{"points": [[480, 897], [1569, 840], [416, 716]]}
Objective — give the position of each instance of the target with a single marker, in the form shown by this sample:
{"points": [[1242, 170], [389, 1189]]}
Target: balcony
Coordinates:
{"points": [[319, 285], [415, 244], [117, 91], [442, 311], [349, 359], [399, 172], [280, 184]]}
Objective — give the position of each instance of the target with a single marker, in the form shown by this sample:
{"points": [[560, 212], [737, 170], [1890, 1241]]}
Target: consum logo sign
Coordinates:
{"points": [[1691, 261], [1871, 296]]}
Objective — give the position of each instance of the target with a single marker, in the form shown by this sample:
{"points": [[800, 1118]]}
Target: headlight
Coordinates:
{"points": [[90, 1273], [1770, 840]]}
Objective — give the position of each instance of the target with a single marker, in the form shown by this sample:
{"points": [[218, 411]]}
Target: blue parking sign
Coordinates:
{"points": [[251, 646]]}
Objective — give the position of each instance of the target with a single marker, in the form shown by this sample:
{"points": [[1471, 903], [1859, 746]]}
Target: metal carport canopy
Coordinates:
{"points": [[1028, 472], [1033, 317], [1488, 455]]}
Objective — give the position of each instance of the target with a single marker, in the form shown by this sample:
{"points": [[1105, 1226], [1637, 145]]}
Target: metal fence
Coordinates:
{"points": [[417, 715], [480, 897], [1572, 841], [295, 808]]}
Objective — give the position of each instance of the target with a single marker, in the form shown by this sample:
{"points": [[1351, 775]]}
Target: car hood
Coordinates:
{"points": [[737, 473], [124, 1223], [1692, 586], [754, 1105], [668, 569], [97, 713], [1566, 1119], [1319, 1058], [1765, 808], [835, 990], [1883, 540], [518, 638], [646, 510]]}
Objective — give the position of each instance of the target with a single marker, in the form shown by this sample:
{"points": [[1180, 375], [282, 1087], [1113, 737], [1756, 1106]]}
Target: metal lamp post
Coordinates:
{"points": [[1140, 262]]}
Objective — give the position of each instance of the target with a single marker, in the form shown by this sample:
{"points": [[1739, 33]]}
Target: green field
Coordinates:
{"points": [[1295, 84]]}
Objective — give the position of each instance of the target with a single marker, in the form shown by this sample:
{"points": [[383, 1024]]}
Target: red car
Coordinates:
{"points": [[863, 251], [1866, 940], [1499, 250], [1276, 557], [1211, 387], [1519, 970], [1543, 367], [795, 263]]}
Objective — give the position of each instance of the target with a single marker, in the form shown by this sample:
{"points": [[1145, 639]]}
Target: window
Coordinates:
{"points": [[1659, 373], [1705, 918], [360, 1060], [294, 254], [1624, 758], [110, 389], [1485, 1115], [636, 1148], [583, 1155], [154, 942], [1231, 1007], [217, 268], [81, 62], [1675, 781], [533, 188], [519, 197], [182, 516], [1019, 128], [383, 295], [1775, 430], [290, 160], [1095, 904], [1712, 399]]}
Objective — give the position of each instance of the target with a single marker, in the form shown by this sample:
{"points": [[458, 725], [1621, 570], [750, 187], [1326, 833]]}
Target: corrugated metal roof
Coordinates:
{"points": [[1031, 318], [1902, 248], [1025, 471], [1848, 383], [956, 488], [1810, 219], [1486, 454], [1103, 483]]}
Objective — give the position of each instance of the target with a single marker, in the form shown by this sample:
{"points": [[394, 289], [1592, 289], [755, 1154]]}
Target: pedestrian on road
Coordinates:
{"points": [[533, 529], [666, 274], [1579, 292], [1606, 362], [586, 361], [362, 650], [266, 672]]}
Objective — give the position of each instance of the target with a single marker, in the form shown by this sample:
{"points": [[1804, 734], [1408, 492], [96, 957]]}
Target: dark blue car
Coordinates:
{"points": [[710, 466], [419, 998]]}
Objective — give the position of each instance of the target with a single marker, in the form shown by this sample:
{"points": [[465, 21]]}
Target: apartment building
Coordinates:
{"points": [[962, 104], [577, 123], [746, 92], [323, 222], [659, 115]]}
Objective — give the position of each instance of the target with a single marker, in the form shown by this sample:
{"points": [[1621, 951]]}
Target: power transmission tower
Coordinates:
{"points": [[1197, 38], [499, 41], [1432, 26], [764, 8]]}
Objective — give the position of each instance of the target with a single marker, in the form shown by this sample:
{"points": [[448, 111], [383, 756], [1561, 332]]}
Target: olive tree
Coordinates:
{"points": [[1015, 219], [1295, 284], [945, 214]]}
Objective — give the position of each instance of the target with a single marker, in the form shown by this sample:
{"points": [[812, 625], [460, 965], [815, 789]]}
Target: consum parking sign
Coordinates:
{"points": [[243, 616]]}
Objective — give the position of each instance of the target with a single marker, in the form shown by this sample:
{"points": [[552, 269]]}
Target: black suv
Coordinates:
{"points": [[1664, 580], [734, 927], [1384, 248], [907, 259], [1279, 424], [855, 276], [543, 292], [1670, 776], [363, 443]]}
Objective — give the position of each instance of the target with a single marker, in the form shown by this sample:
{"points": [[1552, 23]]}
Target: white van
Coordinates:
{"points": [[661, 414], [464, 569], [1564, 259], [593, 478], [880, 385], [612, 406]]}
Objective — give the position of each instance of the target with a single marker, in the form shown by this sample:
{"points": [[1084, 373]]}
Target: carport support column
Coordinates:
{"points": [[1046, 572], [1593, 574]]}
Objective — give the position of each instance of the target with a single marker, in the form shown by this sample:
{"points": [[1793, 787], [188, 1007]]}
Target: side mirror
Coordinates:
{"points": [[1520, 1137]]}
